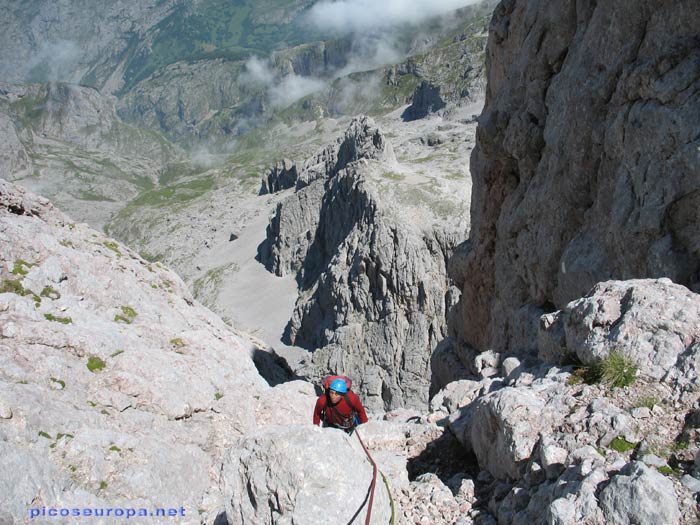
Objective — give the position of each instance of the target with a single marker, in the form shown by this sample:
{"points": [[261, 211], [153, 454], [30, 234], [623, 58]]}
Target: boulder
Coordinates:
{"points": [[505, 427], [300, 475], [652, 322], [640, 494]]}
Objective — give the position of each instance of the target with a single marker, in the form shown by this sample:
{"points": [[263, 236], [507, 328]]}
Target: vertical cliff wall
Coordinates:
{"points": [[587, 161]]}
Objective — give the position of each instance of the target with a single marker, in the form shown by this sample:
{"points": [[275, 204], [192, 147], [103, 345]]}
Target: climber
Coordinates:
{"points": [[339, 407]]}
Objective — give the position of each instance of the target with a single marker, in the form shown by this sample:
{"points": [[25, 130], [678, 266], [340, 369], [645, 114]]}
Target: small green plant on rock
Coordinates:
{"points": [[95, 364], [617, 370], [49, 292], [647, 402], [21, 267], [62, 320], [58, 381], [128, 317], [614, 371], [177, 342], [15, 286]]}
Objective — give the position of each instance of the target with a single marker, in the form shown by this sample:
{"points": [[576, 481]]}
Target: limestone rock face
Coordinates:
{"points": [[653, 322], [317, 475], [115, 385], [373, 278], [586, 163]]}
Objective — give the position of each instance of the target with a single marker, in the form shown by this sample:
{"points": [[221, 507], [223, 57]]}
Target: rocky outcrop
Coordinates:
{"points": [[586, 163], [289, 233], [654, 323], [426, 100], [559, 450], [281, 176], [303, 486], [318, 59], [374, 293], [14, 161]]}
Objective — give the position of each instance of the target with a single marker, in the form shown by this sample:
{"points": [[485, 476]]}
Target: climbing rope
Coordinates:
{"points": [[374, 478], [370, 492]]}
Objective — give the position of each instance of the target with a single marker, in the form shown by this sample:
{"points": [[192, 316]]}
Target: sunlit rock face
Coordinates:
{"points": [[586, 163]]}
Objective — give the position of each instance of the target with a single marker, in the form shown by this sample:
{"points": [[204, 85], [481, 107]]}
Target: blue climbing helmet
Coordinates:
{"points": [[338, 385]]}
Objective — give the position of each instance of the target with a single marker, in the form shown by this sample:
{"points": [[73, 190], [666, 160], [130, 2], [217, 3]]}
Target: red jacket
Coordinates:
{"points": [[327, 412]]}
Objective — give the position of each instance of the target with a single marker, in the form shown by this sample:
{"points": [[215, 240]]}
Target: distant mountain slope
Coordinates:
{"points": [[112, 46]]}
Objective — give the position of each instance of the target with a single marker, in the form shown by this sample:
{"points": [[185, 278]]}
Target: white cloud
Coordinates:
{"points": [[371, 52], [292, 88], [56, 61], [257, 72], [346, 16]]}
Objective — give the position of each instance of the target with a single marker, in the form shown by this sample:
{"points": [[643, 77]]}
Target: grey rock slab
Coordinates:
{"points": [[318, 474]]}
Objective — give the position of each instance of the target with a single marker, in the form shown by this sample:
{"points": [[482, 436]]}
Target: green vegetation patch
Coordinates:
{"points": [[15, 286], [95, 364], [391, 175], [112, 246], [58, 381], [620, 444], [614, 371], [174, 194], [177, 342], [129, 311], [617, 370], [21, 267], [647, 402], [45, 435], [62, 320], [50, 292]]}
